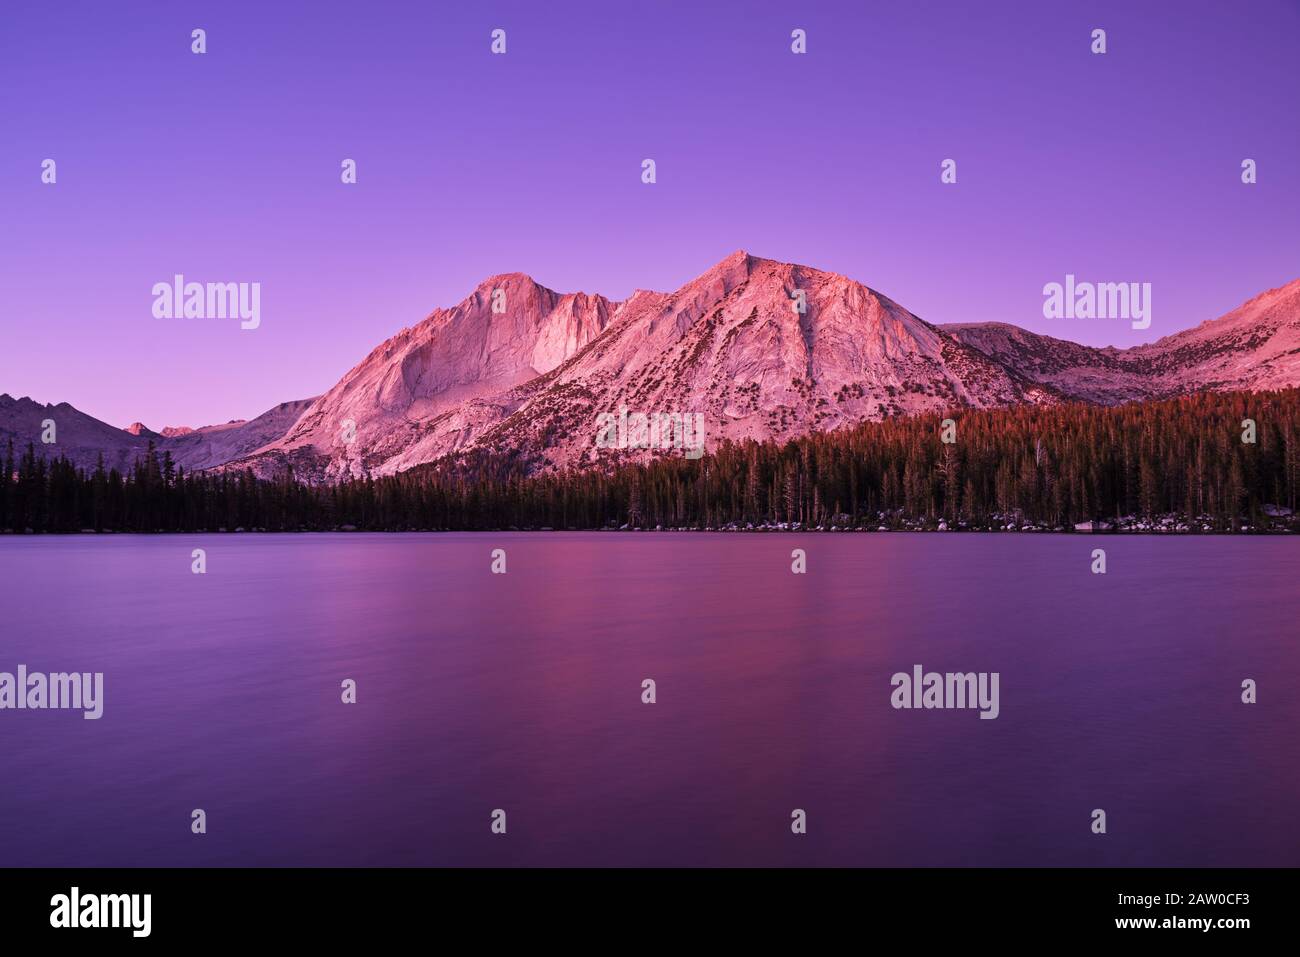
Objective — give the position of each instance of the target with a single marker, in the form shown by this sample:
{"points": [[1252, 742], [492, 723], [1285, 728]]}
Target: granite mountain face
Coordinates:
{"points": [[760, 349]]}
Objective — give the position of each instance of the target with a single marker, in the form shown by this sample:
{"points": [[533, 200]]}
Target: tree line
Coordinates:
{"points": [[1052, 466]]}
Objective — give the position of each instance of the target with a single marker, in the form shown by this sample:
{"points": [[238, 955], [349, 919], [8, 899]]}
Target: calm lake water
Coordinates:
{"points": [[523, 692]]}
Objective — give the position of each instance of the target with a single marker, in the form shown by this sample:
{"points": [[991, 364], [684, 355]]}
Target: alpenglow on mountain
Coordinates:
{"points": [[521, 370]]}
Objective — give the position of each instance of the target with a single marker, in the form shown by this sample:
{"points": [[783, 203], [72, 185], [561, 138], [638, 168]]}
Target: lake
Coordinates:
{"points": [[523, 692]]}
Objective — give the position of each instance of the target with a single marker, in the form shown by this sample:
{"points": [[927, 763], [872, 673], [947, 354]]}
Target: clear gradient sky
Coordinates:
{"points": [[225, 167]]}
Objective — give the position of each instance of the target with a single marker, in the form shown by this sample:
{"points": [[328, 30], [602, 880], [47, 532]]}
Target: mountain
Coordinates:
{"points": [[214, 445], [524, 372], [79, 436], [430, 389], [83, 438], [729, 345], [1254, 347], [732, 346]]}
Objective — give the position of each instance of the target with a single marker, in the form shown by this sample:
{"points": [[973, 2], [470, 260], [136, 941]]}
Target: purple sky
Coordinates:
{"points": [[225, 167]]}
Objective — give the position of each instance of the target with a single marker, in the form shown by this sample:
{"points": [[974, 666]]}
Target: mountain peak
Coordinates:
{"points": [[508, 279], [517, 287], [742, 265], [1284, 291], [757, 348], [727, 273]]}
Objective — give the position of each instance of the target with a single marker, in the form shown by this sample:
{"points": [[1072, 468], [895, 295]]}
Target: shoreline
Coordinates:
{"points": [[1150, 532]]}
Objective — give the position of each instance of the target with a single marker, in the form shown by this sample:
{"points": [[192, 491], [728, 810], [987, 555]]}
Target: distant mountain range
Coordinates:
{"points": [[83, 438], [517, 368]]}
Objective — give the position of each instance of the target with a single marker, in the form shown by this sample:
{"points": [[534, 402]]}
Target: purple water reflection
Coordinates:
{"points": [[522, 692]]}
